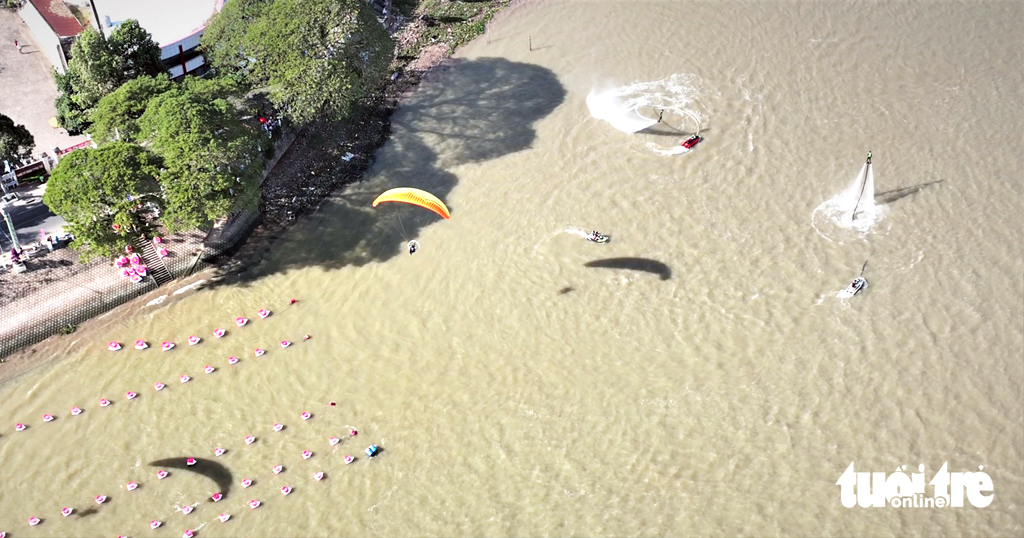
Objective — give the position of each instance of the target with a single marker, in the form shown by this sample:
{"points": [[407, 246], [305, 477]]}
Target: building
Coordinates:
{"points": [[175, 26]]}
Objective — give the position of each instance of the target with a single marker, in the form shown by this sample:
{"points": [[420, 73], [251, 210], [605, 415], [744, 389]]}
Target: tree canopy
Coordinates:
{"points": [[314, 58], [116, 114], [94, 189], [212, 160], [99, 66], [16, 142]]}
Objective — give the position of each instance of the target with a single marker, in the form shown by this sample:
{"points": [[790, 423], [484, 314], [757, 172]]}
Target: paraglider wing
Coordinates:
{"points": [[415, 197]]}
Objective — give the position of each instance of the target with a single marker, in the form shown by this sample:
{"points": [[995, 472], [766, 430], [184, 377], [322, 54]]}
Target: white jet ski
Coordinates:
{"points": [[854, 288]]}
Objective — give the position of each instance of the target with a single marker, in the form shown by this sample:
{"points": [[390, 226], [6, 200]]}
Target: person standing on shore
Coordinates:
{"points": [[17, 45]]}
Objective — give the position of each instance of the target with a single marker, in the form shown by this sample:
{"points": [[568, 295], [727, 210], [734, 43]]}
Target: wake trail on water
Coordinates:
{"points": [[642, 105]]}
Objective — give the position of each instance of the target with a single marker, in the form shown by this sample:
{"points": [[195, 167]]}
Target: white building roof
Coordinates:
{"points": [[168, 21]]}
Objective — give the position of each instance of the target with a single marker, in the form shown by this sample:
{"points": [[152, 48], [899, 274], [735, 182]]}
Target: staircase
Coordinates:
{"points": [[154, 263]]}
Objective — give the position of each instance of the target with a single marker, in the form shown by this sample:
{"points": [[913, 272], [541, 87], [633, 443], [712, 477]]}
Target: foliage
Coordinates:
{"points": [[99, 66], [116, 114], [96, 189], [453, 23], [212, 160], [315, 58], [16, 142], [10, 4]]}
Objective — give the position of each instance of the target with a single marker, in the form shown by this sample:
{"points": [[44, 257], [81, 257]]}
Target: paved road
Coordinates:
{"points": [[30, 216]]}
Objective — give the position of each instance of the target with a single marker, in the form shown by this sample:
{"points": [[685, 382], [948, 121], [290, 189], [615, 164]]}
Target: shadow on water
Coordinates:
{"points": [[646, 265], [889, 197], [203, 467], [566, 290], [477, 110]]}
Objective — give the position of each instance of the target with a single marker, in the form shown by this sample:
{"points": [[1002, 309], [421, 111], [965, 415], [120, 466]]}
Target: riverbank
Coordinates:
{"points": [[322, 158]]}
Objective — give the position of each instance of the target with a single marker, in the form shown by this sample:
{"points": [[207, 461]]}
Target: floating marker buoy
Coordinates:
{"points": [[254, 504], [318, 476], [75, 411], [259, 352], [278, 427], [333, 441], [188, 534], [209, 369], [104, 402], [161, 474], [19, 427], [216, 497], [246, 483], [113, 346], [277, 469], [371, 451], [286, 490], [155, 524], [305, 337], [190, 462], [250, 440], [47, 417], [100, 499], [184, 378], [306, 454], [166, 346], [67, 511], [240, 321], [218, 451], [33, 521], [349, 459], [218, 333], [306, 415], [263, 313], [285, 343], [159, 386], [232, 360], [293, 301], [141, 344], [186, 509], [224, 518], [130, 486], [131, 395], [193, 340]]}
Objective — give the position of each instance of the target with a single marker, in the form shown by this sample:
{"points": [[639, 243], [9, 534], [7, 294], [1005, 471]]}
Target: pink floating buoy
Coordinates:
{"points": [[113, 346], [131, 395], [159, 386], [333, 441], [218, 451], [190, 462], [161, 474], [186, 509], [277, 469], [67, 511], [19, 427], [278, 426], [188, 534], [259, 352], [240, 321], [305, 337], [131, 486], [104, 402], [293, 301], [246, 483], [286, 490], [254, 504], [75, 411], [250, 440], [33, 521], [218, 333], [155, 524], [232, 360], [47, 418], [306, 454], [100, 499], [263, 313], [184, 378], [209, 369], [285, 343], [193, 340], [306, 415], [318, 476], [216, 497], [353, 433], [224, 518], [141, 344], [166, 346], [349, 459]]}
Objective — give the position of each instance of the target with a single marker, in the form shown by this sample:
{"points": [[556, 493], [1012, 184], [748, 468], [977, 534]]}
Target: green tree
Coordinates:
{"points": [[16, 142], [95, 189], [314, 58], [212, 160], [99, 66], [116, 114]]}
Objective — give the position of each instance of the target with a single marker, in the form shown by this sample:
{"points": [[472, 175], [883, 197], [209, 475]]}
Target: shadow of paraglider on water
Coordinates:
{"points": [[203, 467], [646, 265], [483, 109]]}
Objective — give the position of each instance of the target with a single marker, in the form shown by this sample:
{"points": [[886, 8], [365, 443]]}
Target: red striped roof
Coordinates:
{"points": [[59, 17]]}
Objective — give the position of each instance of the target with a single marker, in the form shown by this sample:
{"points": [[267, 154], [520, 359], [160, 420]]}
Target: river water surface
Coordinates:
{"points": [[695, 376]]}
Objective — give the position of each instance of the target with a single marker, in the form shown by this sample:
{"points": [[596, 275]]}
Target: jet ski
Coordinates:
{"points": [[597, 237], [854, 288], [692, 141]]}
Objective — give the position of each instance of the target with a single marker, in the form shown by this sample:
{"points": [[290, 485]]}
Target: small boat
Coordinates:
{"points": [[692, 141], [597, 237], [854, 288]]}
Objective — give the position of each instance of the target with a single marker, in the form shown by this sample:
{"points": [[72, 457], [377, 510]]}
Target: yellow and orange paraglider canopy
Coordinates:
{"points": [[417, 197]]}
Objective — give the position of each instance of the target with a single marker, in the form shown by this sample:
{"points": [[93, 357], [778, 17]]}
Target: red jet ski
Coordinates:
{"points": [[692, 141]]}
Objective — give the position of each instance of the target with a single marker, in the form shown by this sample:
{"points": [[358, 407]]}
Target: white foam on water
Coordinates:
{"points": [[852, 213]]}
